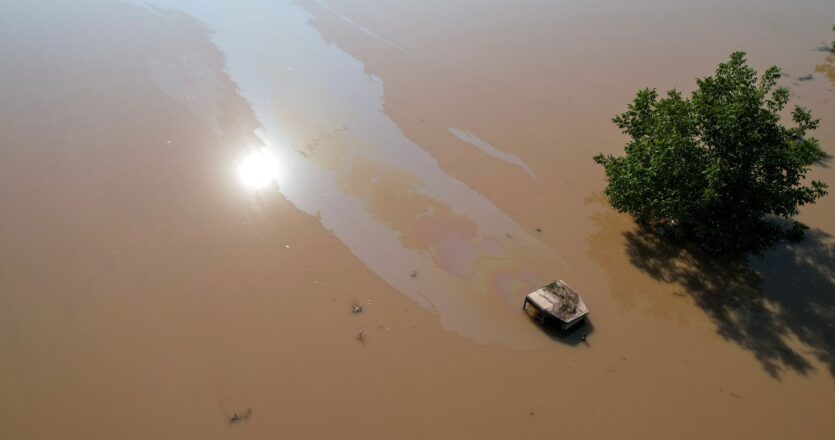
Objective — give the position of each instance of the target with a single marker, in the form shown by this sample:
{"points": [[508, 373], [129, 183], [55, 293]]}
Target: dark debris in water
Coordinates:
{"points": [[240, 417]]}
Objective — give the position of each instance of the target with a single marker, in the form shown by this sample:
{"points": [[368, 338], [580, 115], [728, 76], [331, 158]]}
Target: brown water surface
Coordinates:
{"points": [[194, 194]]}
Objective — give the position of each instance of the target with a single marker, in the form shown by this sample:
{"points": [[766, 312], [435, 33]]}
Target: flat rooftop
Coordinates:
{"points": [[560, 300]]}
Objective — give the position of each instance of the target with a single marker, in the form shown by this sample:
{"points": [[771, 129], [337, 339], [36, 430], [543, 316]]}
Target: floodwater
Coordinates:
{"points": [[194, 194]]}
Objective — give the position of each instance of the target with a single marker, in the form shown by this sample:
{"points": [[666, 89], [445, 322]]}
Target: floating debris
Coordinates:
{"points": [[361, 336], [808, 77], [356, 308], [236, 417], [538, 229], [414, 274], [569, 300]]}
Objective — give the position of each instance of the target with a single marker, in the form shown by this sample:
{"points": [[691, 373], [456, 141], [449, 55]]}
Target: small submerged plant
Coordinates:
{"points": [[239, 417]]}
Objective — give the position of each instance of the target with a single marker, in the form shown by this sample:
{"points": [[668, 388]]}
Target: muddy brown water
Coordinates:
{"points": [[193, 195]]}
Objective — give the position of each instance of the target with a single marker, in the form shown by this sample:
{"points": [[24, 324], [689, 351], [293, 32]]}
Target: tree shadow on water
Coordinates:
{"points": [[761, 303]]}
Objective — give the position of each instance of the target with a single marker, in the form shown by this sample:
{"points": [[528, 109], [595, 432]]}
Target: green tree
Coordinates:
{"points": [[717, 168]]}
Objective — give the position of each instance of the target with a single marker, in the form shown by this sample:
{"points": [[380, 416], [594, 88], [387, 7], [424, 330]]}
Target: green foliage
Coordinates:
{"points": [[717, 167]]}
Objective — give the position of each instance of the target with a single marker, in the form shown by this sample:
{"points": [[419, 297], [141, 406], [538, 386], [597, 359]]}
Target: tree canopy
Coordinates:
{"points": [[718, 168]]}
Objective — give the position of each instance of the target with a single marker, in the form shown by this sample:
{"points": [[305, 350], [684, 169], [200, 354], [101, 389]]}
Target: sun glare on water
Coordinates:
{"points": [[259, 169]]}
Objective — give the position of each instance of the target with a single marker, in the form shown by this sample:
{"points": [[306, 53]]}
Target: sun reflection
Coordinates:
{"points": [[259, 169]]}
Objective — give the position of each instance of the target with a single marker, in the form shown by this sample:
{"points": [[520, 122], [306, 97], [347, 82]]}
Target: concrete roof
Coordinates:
{"points": [[554, 299]]}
